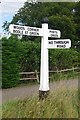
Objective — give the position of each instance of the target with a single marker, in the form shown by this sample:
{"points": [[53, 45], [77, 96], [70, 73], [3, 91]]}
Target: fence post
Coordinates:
{"points": [[37, 76], [57, 71], [73, 69]]}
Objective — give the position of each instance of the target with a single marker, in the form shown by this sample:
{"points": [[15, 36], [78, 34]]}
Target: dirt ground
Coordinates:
{"points": [[22, 92]]}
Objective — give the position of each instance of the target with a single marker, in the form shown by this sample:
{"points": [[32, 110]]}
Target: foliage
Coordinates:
{"points": [[77, 20], [62, 15], [30, 57], [63, 58], [10, 71], [19, 55], [62, 103]]}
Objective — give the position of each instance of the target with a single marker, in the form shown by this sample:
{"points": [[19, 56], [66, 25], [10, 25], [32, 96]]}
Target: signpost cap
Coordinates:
{"points": [[45, 20]]}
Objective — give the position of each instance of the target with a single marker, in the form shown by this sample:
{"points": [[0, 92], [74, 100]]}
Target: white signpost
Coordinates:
{"points": [[46, 44]]}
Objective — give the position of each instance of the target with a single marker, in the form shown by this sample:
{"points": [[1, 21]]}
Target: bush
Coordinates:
{"points": [[18, 55], [10, 66], [30, 57], [63, 59]]}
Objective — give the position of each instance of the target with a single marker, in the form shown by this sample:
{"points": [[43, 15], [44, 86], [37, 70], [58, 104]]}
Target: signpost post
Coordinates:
{"points": [[44, 73], [46, 44]]}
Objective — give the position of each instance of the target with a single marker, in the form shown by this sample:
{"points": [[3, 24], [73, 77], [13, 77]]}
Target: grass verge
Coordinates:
{"points": [[59, 104], [64, 76]]}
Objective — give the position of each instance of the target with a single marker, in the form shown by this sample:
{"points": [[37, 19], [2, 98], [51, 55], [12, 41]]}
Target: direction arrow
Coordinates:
{"points": [[54, 33], [25, 30], [61, 43]]}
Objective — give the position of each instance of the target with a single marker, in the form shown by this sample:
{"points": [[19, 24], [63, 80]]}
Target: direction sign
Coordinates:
{"points": [[54, 33], [61, 43], [32, 31], [25, 30]]}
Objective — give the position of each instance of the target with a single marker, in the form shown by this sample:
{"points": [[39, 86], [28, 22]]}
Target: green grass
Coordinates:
{"points": [[64, 76], [59, 104]]}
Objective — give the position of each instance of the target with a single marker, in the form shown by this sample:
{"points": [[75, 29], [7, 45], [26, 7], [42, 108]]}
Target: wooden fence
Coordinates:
{"points": [[35, 75]]}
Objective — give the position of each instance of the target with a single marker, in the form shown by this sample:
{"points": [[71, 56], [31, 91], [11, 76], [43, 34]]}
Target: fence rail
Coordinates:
{"points": [[65, 70], [35, 75]]}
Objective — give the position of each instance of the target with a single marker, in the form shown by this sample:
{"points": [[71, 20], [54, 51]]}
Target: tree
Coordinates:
{"points": [[60, 14], [77, 19]]}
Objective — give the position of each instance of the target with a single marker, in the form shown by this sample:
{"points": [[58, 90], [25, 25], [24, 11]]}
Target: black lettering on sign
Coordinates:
{"points": [[19, 27], [61, 46], [26, 32], [21, 32], [32, 29], [61, 42], [53, 35], [37, 33], [18, 32], [66, 42], [33, 33], [58, 42], [55, 32], [64, 46], [50, 42]]}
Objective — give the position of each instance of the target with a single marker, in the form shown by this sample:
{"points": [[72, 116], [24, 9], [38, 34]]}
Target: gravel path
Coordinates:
{"points": [[29, 90]]}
